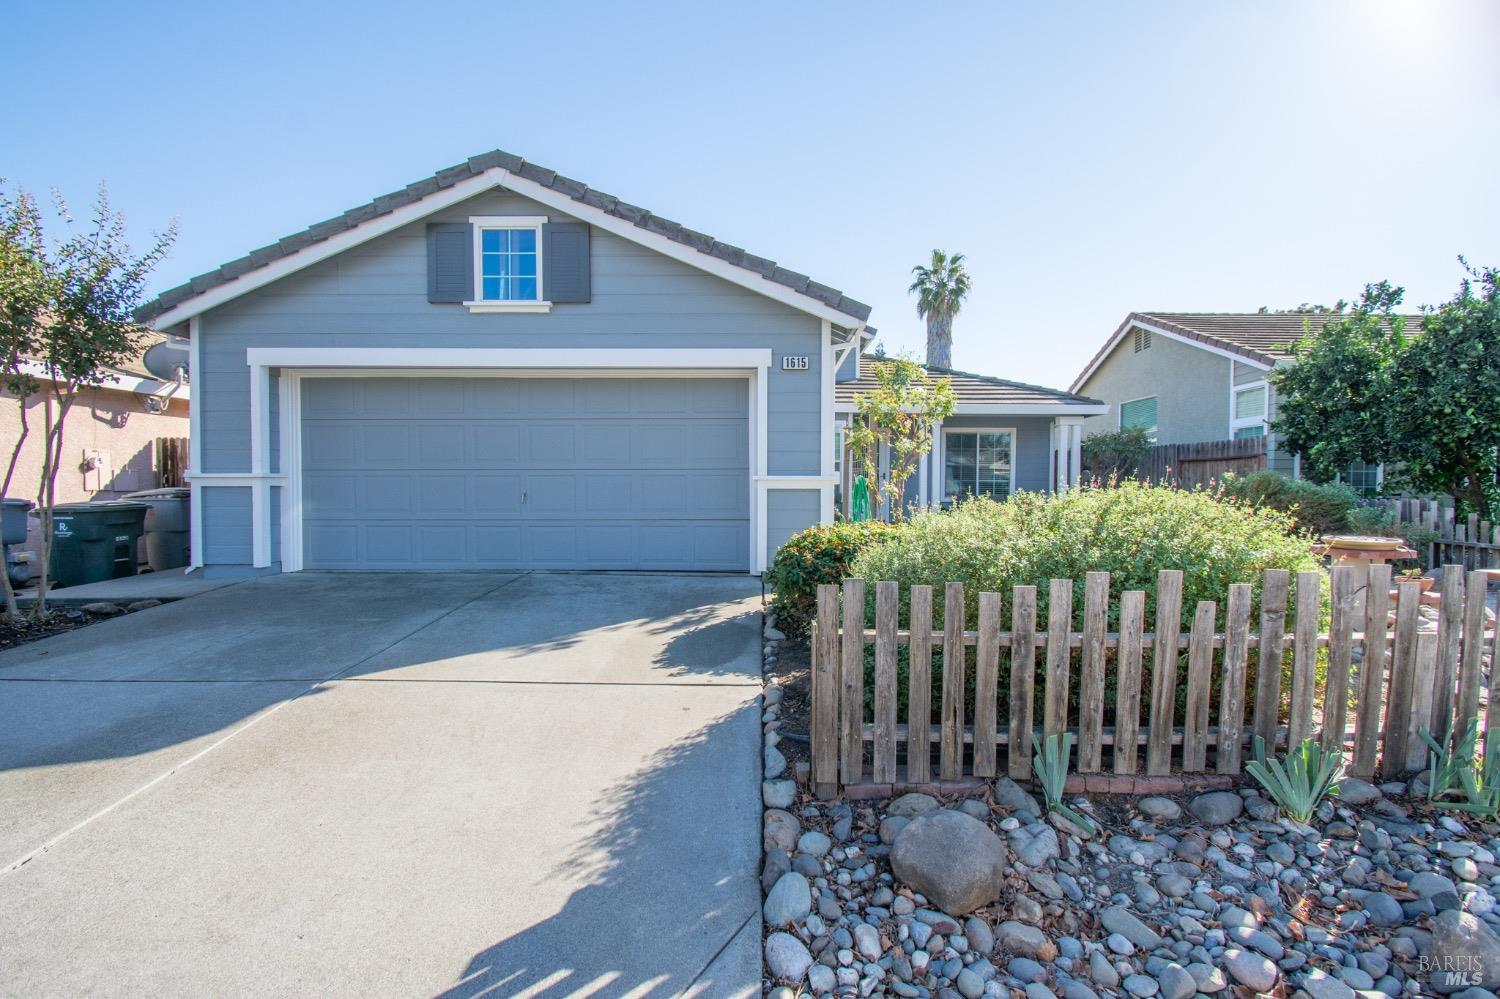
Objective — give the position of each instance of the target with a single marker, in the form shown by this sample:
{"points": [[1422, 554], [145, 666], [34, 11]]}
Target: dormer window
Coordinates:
{"points": [[508, 264]]}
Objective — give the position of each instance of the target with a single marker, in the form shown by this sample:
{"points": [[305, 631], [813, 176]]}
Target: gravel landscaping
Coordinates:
{"points": [[1210, 894]]}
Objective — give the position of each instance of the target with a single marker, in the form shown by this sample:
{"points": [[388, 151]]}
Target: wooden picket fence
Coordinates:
{"points": [[1408, 680], [1471, 542]]}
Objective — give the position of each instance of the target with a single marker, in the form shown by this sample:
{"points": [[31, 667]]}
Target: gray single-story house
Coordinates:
{"points": [[1189, 377], [500, 367], [1004, 436]]}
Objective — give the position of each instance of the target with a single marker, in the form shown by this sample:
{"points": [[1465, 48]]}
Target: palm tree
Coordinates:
{"points": [[940, 289]]}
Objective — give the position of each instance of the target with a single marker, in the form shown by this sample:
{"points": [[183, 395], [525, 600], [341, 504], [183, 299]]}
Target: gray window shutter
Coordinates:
{"points": [[565, 268], [450, 262]]}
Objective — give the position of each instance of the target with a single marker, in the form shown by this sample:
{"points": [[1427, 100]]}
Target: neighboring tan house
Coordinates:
{"points": [[109, 440], [1003, 437], [499, 367], [1189, 377]]}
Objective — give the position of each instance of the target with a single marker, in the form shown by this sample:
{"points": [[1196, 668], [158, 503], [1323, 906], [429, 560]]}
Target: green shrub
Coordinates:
{"points": [[1131, 531], [821, 554], [1376, 520], [1320, 509]]}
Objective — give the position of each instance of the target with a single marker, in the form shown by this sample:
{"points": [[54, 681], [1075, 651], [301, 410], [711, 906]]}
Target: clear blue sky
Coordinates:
{"points": [[1089, 158]]}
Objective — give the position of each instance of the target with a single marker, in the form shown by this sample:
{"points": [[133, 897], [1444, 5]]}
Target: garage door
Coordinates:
{"points": [[555, 473]]}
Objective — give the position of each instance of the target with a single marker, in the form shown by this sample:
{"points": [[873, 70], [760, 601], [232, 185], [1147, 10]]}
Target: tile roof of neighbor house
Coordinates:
{"points": [[1263, 337], [576, 190], [970, 389]]}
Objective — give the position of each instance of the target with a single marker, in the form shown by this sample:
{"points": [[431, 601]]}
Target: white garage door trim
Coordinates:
{"points": [[296, 363]]}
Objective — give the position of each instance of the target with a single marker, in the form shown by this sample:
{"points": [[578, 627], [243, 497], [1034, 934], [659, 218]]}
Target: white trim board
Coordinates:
{"points": [[1019, 409], [1114, 342], [478, 184]]}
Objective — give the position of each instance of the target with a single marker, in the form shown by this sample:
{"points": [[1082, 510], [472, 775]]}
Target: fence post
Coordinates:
{"points": [[1268, 658], [1199, 687], [1470, 667], [852, 670], [1164, 671], [986, 676], [824, 728], [1340, 657], [1232, 697], [1424, 664], [1128, 684], [1091, 673], [1059, 636], [1304, 657], [1450, 625], [887, 607], [1372, 670], [1022, 679], [1398, 707], [951, 751], [919, 690]]}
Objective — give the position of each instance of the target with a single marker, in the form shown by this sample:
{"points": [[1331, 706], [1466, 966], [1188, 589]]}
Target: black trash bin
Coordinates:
{"points": [[92, 542], [167, 524]]}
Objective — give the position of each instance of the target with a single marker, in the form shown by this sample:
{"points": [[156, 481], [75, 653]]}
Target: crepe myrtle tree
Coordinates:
{"points": [[94, 283], [1424, 401], [900, 413], [24, 293]]}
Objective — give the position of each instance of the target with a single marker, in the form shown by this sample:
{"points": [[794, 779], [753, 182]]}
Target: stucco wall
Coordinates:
{"points": [[1191, 386], [104, 420]]}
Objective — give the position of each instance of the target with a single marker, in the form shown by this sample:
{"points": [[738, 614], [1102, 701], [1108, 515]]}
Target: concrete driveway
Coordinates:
{"points": [[426, 784]]}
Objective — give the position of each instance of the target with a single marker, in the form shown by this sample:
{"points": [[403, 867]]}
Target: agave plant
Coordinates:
{"points": [[1309, 773], [1458, 772], [1051, 763]]}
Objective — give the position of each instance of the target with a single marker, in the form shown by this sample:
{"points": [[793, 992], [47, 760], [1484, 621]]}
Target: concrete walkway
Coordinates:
{"points": [[174, 584], [447, 784]]}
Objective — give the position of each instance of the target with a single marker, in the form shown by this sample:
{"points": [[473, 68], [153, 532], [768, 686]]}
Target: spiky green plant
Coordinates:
{"points": [[1309, 773], [1051, 763], [1458, 771]]}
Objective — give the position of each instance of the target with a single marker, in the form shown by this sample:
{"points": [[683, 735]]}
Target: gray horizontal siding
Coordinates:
{"points": [[788, 512]]}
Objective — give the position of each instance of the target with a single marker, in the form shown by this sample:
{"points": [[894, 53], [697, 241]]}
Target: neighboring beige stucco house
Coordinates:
{"points": [[109, 441], [1200, 376]]}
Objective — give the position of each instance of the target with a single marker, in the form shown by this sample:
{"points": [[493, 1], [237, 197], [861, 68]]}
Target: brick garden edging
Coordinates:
{"points": [[1077, 784]]}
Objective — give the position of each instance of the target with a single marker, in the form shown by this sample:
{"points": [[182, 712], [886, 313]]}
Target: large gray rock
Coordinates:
{"points": [[786, 958], [780, 830], [1216, 807], [1118, 919], [1009, 794], [1159, 808], [1463, 952], [912, 805], [1353, 791], [789, 900], [953, 859], [1012, 937], [1250, 969]]}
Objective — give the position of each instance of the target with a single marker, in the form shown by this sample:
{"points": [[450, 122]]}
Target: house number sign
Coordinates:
{"points": [[794, 362]]}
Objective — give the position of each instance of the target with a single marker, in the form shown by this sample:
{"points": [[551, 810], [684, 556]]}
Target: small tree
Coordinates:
{"points": [[1424, 402], [96, 282], [900, 412], [24, 295]]}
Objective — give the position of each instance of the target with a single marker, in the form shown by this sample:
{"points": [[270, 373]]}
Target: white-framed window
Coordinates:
{"points": [[1139, 413], [1364, 478], [508, 263], [838, 448], [978, 463], [1247, 415]]}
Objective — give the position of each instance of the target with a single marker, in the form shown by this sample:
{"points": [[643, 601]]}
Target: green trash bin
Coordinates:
{"points": [[92, 542]]}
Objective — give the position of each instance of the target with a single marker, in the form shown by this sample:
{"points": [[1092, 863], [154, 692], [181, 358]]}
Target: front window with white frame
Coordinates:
{"points": [[508, 263], [1248, 418], [978, 463]]}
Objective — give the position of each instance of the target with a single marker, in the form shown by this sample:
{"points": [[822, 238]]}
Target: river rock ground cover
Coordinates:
{"points": [[1213, 894]]}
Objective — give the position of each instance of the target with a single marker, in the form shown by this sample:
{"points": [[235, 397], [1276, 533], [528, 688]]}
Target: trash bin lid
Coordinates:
{"points": [[23, 504], [170, 492], [98, 505]]}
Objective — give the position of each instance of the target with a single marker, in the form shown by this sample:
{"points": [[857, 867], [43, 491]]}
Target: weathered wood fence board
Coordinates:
{"points": [[1402, 680]]}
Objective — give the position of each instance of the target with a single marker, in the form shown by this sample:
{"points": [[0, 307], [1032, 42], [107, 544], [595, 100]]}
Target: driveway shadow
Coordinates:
{"points": [[671, 883]]}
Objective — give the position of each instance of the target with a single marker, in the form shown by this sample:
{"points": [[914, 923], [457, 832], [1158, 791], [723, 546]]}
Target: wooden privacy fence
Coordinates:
{"points": [[1380, 687], [171, 461], [1471, 543], [1190, 465]]}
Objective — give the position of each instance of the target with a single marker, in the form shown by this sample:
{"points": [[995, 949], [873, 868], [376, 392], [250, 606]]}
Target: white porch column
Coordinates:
{"points": [[935, 464], [1067, 452]]}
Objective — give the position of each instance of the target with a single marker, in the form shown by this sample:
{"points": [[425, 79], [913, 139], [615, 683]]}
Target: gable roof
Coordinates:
{"points": [[974, 393], [498, 169], [1258, 338]]}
